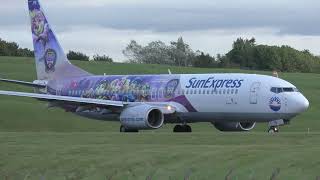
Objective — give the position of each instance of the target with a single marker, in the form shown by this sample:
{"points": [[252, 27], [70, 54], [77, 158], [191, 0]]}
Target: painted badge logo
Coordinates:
{"points": [[171, 88], [275, 104], [50, 59]]}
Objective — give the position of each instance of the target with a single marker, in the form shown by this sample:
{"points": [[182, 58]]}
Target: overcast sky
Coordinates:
{"points": [[107, 26]]}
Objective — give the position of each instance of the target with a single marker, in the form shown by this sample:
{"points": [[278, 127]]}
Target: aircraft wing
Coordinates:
{"points": [[166, 107], [48, 97]]}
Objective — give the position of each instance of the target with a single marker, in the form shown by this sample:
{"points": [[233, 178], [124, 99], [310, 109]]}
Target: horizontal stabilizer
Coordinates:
{"points": [[24, 83]]}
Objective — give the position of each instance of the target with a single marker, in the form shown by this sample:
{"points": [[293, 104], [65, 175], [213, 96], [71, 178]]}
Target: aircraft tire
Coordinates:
{"points": [[177, 128], [188, 128], [273, 130], [182, 129], [125, 130]]}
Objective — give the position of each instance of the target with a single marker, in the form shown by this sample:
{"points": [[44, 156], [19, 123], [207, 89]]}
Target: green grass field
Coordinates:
{"points": [[41, 143]]}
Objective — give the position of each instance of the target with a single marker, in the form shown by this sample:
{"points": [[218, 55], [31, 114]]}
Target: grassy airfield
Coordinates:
{"points": [[36, 142]]}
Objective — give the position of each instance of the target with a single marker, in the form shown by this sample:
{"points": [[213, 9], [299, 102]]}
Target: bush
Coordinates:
{"points": [[77, 56], [103, 58]]}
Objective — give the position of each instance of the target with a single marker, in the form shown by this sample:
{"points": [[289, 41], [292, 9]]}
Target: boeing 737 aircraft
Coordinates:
{"points": [[231, 102]]}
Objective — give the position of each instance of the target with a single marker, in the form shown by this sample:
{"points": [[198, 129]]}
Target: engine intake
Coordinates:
{"points": [[142, 117], [234, 126]]}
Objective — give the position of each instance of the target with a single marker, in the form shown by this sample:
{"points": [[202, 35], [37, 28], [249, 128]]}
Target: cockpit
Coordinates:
{"points": [[278, 90]]}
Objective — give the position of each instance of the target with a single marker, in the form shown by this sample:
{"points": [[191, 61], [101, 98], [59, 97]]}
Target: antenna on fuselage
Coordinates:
{"points": [[275, 73], [169, 71]]}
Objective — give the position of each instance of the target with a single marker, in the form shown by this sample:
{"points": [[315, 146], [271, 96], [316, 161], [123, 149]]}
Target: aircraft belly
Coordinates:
{"points": [[99, 116], [233, 116]]}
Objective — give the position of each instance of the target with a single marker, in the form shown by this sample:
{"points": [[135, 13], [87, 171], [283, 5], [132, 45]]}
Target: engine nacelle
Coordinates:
{"points": [[234, 126], [142, 117]]}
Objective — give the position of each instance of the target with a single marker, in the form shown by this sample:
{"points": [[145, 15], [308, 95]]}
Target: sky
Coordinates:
{"points": [[107, 26]]}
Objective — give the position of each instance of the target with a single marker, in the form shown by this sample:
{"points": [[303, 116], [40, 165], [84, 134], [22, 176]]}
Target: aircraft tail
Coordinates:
{"points": [[51, 61]]}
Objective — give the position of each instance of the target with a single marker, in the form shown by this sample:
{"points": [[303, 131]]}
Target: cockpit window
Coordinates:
{"points": [[274, 90], [288, 90], [284, 89]]}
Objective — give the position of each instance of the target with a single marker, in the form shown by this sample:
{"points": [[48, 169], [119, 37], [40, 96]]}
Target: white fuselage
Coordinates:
{"points": [[199, 97], [253, 100]]}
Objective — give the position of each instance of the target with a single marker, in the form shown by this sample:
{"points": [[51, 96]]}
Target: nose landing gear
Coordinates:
{"points": [[274, 125]]}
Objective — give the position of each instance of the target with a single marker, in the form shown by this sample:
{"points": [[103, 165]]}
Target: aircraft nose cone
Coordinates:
{"points": [[304, 104]]}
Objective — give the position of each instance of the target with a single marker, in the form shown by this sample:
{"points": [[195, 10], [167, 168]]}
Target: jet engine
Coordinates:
{"points": [[234, 126], [142, 117]]}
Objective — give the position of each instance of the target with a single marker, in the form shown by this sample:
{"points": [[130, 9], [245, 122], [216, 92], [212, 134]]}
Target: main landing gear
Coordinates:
{"points": [[182, 128], [125, 130]]}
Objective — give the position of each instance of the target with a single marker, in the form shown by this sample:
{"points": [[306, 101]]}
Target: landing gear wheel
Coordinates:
{"points": [[182, 128], [187, 128], [273, 129], [124, 130], [177, 128]]}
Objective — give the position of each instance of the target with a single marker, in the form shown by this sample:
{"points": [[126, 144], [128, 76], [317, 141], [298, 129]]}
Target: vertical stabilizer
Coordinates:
{"points": [[51, 61]]}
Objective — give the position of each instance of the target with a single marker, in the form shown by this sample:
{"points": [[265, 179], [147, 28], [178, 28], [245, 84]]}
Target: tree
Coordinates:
{"points": [[73, 55], [181, 53], [157, 52], [134, 52], [204, 61]]}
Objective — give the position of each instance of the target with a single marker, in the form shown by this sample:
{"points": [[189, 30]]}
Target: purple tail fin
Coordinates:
{"points": [[51, 61]]}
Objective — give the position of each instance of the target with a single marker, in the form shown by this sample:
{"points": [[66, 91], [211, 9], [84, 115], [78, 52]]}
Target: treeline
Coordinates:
{"points": [[245, 54], [13, 49]]}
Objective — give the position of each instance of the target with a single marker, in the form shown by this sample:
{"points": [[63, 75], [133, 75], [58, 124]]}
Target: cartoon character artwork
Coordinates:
{"points": [[42, 38], [122, 89], [40, 28], [275, 104], [101, 90], [171, 88], [50, 59], [141, 89]]}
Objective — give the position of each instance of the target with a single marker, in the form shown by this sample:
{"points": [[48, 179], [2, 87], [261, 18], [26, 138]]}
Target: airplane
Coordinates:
{"points": [[229, 101]]}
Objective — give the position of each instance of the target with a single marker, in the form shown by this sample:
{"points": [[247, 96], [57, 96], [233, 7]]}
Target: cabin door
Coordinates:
{"points": [[254, 92]]}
